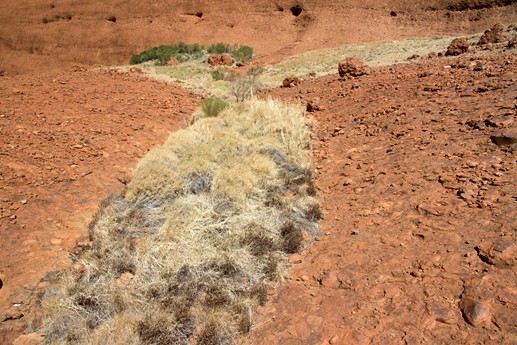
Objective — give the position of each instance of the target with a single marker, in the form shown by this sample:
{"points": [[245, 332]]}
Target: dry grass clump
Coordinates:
{"points": [[188, 251]]}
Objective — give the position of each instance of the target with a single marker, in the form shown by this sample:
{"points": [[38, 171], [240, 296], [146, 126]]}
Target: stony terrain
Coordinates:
{"points": [[418, 191], [69, 140], [416, 165]]}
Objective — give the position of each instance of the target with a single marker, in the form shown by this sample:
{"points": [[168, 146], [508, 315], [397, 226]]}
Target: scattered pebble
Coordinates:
{"points": [[56, 241], [330, 280]]}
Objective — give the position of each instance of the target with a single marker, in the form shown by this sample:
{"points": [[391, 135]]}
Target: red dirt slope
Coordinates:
{"points": [[40, 35], [68, 141], [420, 209]]}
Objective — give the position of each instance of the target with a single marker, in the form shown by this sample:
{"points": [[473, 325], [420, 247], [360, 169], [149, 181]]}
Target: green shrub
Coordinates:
{"points": [[243, 54], [219, 48], [212, 106], [218, 74], [163, 53], [189, 49], [184, 52]]}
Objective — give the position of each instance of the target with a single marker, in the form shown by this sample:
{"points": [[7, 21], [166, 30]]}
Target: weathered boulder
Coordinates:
{"points": [[493, 35], [291, 81], [504, 139], [458, 46], [220, 60], [352, 67], [476, 313], [502, 252]]}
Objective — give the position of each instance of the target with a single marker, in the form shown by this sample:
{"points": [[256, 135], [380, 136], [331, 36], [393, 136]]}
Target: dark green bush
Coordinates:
{"points": [[163, 53], [212, 106], [243, 54], [219, 48], [184, 52]]}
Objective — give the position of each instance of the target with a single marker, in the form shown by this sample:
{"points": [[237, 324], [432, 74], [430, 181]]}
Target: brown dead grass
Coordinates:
{"points": [[188, 251]]}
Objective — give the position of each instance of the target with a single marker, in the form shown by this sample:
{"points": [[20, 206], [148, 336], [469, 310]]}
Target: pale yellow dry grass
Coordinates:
{"points": [[202, 230]]}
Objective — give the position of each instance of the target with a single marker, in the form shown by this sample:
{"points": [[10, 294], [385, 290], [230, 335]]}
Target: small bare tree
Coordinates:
{"points": [[245, 87], [241, 89]]}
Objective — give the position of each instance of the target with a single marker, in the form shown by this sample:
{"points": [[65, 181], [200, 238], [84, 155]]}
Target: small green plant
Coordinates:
{"points": [[219, 48], [223, 74], [243, 54], [218, 74], [212, 106]]}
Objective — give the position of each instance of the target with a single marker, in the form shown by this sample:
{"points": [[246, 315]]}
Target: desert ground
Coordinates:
{"points": [[414, 161]]}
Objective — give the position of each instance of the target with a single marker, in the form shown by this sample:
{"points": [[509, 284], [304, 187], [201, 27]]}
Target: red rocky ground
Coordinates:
{"points": [[416, 171], [420, 209], [68, 140], [420, 204]]}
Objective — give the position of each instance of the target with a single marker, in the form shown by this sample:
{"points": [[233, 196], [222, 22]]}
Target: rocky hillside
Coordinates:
{"points": [[42, 35]]}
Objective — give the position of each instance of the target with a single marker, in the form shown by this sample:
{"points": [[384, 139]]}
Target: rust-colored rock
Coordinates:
{"points": [[295, 259], [402, 140], [354, 338], [442, 312], [30, 46], [136, 70], [313, 105], [291, 81], [173, 61], [351, 67], [501, 252], [458, 46], [330, 280], [504, 139], [404, 209], [60, 198], [493, 35], [29, 339], [220, 60], [125, 278], [475, 312], [83, 242]]}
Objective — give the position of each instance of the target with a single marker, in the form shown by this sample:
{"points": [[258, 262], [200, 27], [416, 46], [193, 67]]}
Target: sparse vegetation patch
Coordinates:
{"points": [[223, 74], [184, 52], [188, 251], [162, 54]]}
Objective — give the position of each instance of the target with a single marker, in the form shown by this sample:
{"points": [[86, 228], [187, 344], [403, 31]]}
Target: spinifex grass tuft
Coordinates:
{"points": [[186, 253]]}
